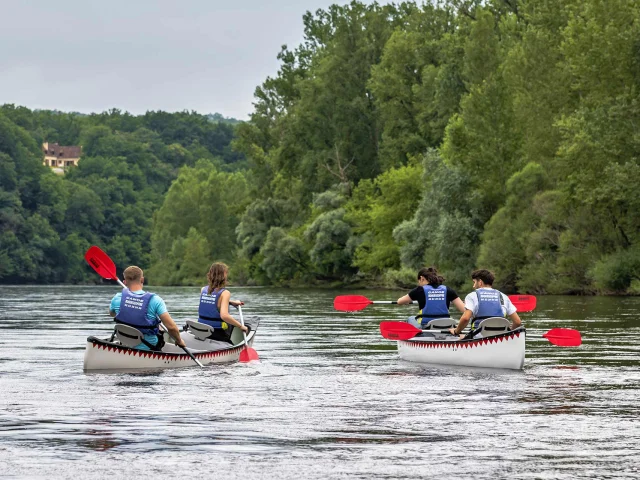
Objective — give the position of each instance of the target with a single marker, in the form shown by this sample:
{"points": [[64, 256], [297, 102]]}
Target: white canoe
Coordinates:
{"points": [[103, 354], [499, 351]]}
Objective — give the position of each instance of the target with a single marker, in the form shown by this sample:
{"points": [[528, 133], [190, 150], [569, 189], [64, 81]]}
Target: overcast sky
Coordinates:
{"points": [[139, 55]]}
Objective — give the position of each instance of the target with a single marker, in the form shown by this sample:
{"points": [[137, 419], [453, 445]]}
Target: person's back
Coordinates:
{"points": [[209, 310], [485, 302], [215, 299], [433, 298], [142, 310], [436, 305]]}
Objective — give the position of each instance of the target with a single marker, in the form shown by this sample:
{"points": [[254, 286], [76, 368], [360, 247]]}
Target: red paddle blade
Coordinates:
{"points": [[398, 330], [101, 263], [248, 355], [564, 337], [524, 303], [351, 303]]}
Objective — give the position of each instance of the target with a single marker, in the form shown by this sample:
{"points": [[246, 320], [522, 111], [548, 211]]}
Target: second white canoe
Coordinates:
{"points": [[499, 351]]}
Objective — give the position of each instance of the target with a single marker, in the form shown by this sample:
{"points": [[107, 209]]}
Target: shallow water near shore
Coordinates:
{"points": [[329, 399]]}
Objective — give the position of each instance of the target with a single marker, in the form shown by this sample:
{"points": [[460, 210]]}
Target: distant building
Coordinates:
{"points": [[61, 156]]}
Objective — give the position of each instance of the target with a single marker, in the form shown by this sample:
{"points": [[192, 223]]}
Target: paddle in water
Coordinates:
{"points": [[248, 354], [561, 337], [353, 303], [104, 266]]}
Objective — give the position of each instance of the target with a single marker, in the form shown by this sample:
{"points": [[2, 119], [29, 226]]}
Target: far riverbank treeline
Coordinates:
{"points": [[499, 134], [47, 220]]}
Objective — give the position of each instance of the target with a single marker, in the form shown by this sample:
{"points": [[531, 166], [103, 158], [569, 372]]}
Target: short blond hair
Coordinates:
{"points": [[133, 274]]}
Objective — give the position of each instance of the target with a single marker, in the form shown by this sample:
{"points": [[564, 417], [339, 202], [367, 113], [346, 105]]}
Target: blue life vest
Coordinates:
{"points": [[133, 312], [489, 305], [208, 312], [435, 304]]}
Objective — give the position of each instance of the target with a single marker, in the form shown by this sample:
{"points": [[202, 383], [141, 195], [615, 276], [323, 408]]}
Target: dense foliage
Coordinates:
{"points": [[463, 133], [47, 221], [498, 134]]}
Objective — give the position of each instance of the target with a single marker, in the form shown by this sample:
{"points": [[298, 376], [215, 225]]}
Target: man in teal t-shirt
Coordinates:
{"points": [[134, 279]]}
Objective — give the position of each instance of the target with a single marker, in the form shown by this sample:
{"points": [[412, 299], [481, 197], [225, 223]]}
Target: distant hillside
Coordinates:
{"points": [[127, 166], [212, 117]]}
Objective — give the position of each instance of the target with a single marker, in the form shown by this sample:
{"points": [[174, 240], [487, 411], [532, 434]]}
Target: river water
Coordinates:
{"points": [[329, 398]]}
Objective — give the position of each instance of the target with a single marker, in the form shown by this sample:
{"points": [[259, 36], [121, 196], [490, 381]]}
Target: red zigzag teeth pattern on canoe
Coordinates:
{"points": [[160, 356], [473, 344]]}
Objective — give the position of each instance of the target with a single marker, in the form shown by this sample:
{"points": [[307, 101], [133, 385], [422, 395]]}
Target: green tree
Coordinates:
{"points": [[329, 234], [375, 208], [507, 234], [201, 211], [445, 227], [284, 257]]}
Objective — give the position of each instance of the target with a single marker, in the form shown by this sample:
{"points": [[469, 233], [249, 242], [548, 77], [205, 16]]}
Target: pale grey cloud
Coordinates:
{"points": [[138, 55]]}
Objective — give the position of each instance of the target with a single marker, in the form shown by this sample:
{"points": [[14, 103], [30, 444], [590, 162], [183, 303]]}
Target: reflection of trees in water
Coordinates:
{"points": [[563, 395], [588, 313], [99, 437], [589, 394], [609, 327], [103, 440]]}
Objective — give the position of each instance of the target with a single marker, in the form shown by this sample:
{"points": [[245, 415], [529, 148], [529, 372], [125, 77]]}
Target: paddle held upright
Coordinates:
{"points": [[248, 354]]}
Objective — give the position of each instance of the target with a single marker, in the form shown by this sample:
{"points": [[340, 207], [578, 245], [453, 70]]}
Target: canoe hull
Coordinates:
{"points": [[101, 354], [500, 351]]}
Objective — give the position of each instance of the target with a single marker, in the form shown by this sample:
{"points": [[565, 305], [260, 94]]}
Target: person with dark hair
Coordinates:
{"points": [[485, 302], [214, 304], [432, 296], [144, 311]]}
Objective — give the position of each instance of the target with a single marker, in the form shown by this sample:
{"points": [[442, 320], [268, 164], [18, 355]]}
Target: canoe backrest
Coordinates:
{"points": [[493, 326], [440, 324], [199, 330], [128, 336]]}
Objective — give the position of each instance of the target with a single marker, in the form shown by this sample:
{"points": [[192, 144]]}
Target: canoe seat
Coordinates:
{"points": [[440, 324], [492, 326], [128, 336], [199, 330]]}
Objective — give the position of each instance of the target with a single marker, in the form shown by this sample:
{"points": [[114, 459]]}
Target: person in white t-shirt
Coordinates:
{"points": [[485, 302]]}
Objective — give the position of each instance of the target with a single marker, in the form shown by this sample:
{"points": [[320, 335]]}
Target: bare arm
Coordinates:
{"points": [[515, 320], [464, 320], [172, 328], [459, 304], [224, 311], [113, 314], [405, 300]]}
